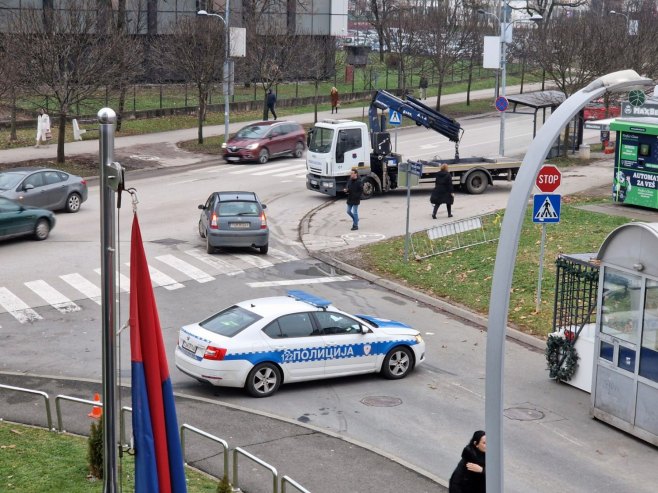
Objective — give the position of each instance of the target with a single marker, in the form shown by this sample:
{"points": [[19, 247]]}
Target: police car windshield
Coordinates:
{"points": [[230, 322]]}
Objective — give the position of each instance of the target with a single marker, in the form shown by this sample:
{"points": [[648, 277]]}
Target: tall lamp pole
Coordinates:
{"points": [[227, 65], [504, 25]]}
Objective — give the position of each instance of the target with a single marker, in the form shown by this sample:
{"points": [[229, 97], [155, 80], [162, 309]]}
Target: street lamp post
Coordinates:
{"points": [[227, 67], [504, 25]]}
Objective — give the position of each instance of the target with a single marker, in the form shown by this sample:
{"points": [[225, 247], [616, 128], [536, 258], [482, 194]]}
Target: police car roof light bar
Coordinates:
{"points": [[309, 298]]}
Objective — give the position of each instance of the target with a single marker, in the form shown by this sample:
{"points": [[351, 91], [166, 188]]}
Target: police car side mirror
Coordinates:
{"points": [[365, 330]]}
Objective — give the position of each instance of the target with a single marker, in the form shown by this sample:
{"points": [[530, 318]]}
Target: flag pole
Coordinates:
{"points": [[111, 175]]}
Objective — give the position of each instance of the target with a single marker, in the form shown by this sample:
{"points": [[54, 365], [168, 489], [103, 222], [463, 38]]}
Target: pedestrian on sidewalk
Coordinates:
{"points": [[469, 475], [271, 101], [423, 86], [43, 127], [334, 100], [354, 190], [442, 193]]}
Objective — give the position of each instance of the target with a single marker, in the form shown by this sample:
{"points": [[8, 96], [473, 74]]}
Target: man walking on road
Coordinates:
{"points": [[271, 101], [354, 190]]}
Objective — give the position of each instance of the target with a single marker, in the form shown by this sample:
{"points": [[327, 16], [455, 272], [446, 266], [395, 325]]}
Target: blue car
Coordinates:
{"points": [[20, 220]]}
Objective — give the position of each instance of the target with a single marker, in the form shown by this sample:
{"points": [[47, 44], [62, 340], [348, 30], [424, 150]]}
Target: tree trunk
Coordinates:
{"points": [[12, 132], [470, 81], [122, 105], [315, 102], [61, 134], [203, 98]]}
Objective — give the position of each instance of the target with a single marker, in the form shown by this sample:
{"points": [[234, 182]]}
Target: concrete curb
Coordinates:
{"points": [[455, 310]]}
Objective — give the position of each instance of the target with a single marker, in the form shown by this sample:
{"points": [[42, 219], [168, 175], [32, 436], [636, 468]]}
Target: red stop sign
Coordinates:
{"points": [[549, 178]]}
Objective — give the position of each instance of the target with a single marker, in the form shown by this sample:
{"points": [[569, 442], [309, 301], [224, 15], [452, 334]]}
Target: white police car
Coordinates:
{"points": [[260, 344]]}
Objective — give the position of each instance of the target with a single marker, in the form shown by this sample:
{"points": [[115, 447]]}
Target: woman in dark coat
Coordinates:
{"points": [[469, 476], [442, 193]]}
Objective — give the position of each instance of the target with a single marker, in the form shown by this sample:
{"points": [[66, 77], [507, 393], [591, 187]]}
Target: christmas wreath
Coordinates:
{"points": [[561, 356]]}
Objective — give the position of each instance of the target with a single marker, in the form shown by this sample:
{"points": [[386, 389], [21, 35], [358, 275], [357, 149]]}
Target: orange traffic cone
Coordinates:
{"points": [[96, 411]]}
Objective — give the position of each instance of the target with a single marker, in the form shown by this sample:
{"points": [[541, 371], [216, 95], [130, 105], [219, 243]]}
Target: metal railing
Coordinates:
{"points": [[285, 480], [204, 434], [60, 426], [45, 396], [237, 451]]}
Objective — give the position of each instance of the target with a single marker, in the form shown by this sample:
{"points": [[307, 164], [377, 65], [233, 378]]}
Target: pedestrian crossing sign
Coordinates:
{"points": [[546, 208], [394, 118]]}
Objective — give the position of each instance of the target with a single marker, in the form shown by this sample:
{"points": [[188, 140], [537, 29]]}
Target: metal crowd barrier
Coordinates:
{"points": [[286, 480], [59, 398], [46, 400], [204, 434]]}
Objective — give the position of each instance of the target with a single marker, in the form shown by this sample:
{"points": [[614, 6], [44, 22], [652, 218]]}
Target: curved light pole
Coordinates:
{"points": [[226, 63], [508, 243], [503, 60]]}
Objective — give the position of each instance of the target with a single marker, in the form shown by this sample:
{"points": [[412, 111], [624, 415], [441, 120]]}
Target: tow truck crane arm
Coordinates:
{"points": [[421, 114]]}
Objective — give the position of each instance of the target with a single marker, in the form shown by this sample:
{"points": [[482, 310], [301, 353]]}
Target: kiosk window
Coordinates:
{"points": [[621, 305], [649, 349], [607, 351]]}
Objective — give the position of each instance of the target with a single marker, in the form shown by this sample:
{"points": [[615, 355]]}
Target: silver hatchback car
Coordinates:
{"points": [[234, 219], [43, 187]]}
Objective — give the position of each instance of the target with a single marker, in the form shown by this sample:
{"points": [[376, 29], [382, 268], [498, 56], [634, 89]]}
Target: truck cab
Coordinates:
{"points": [[334, 148]]}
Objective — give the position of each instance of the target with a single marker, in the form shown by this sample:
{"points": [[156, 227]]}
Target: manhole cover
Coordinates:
{"points": [[381, 401], [523, 414], [168, 241]]}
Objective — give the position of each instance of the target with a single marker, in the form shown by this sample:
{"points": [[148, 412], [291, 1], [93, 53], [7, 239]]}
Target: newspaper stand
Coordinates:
{"points": [[625, 370]]}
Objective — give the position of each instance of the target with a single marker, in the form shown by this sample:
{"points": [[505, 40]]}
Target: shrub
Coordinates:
{"points": [[95, 449]]}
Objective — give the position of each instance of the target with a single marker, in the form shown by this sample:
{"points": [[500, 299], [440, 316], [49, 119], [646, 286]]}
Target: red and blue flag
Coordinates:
{"points": [[158, 456]]}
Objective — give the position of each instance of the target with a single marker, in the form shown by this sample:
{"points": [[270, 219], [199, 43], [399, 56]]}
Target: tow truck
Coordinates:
{"points": [[335, 147]]}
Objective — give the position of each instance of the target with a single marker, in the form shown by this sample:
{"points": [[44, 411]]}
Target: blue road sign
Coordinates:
{"points": [[546, 208], [502, 103], [415, 168], [394, 118]]}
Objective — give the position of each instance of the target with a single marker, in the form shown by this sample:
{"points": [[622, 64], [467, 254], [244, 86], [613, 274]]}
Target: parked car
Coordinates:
{"points": [[19, 220], [260, 344], [264, 140], [43, 187], [234, 219], [596, 110]]}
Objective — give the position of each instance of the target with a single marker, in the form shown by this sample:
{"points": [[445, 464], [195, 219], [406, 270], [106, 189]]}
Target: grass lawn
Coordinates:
{"points": [[59, 464], [464, 276]]}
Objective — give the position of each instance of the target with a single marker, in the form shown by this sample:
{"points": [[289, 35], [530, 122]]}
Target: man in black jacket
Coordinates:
{"points": [[271, 101], [354, 190]]}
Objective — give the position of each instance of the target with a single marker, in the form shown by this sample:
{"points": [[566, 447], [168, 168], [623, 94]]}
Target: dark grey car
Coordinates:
{"points": [[234, 219], [43, 187]]}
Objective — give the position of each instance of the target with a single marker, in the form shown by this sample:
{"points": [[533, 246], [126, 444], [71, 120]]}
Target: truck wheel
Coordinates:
{"points": [[477, 182], [369, 188]]}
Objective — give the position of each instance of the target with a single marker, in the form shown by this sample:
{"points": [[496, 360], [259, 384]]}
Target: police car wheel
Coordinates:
{"points": [[263, 380], [397, 363]]}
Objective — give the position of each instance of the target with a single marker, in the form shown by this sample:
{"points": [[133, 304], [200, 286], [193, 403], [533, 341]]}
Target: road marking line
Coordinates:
{"points": [[281, 255], [86, 287], [188, 269], [253, 261], [217, 263], [16, 308], [53, 297], [293, 282], [159, 278], [297, 169], [300, 173], [250, 168], [123, 282]]}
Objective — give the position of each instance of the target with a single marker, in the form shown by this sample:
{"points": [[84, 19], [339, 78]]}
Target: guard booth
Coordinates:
{"points": [[635, 180], [625, 372]]}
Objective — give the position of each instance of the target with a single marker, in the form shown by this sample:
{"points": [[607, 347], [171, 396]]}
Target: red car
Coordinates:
{"points": [[596, 110], [263, 140]]}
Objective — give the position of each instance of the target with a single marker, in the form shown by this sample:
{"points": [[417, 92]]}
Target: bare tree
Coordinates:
{"points": [[383, 13], [315, 63], [547, 8], [448, 33], [195, 50], [68, 55]]}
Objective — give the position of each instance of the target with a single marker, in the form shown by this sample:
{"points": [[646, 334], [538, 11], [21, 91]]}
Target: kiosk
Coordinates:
{"points": [[635, 181], [625, 371]]}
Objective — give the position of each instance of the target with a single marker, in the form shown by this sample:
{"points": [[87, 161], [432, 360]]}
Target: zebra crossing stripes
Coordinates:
{"points": [[281, 255], [53, 297], [188, 269], [221, 265], [259, 262], [17, 308], [159, 278], [123, 281], [82, 284]]}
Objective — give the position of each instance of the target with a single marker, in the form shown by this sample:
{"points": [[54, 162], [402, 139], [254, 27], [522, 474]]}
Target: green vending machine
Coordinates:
{"points": [[636, 162]]}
